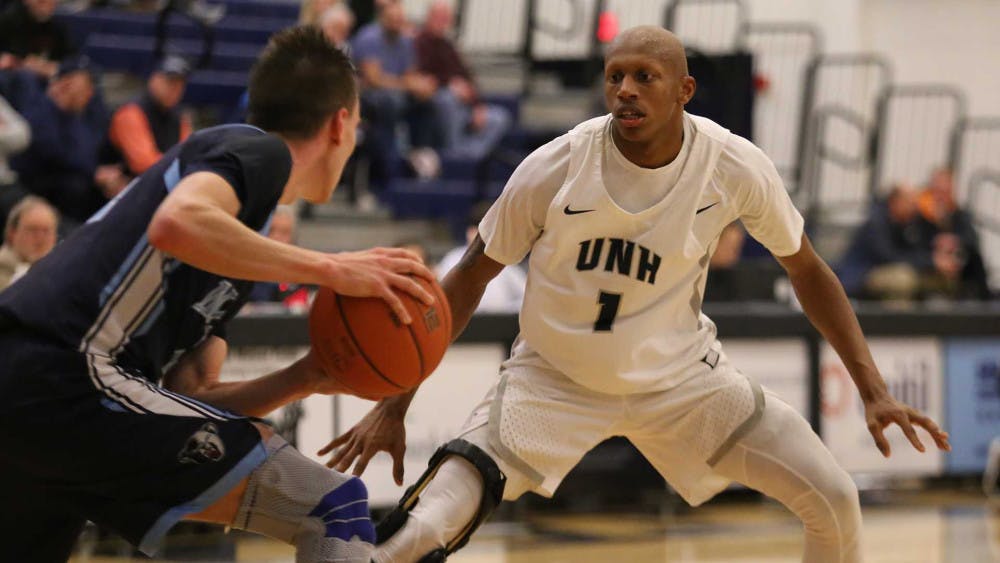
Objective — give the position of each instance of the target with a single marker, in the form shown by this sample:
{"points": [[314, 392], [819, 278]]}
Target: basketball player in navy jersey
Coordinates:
{"points": [[620, 216], [110, 348]]}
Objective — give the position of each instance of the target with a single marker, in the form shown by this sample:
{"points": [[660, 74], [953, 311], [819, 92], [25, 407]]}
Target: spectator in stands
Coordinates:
{"points": [[722, 283], [14, 137], [949, 231], [30, 234], [142, 130], [31, 39], [470, 127], [293, 296], [394, 91], [505, 292], [887, 258], [61, 163], [312, 11], [336, 23]]}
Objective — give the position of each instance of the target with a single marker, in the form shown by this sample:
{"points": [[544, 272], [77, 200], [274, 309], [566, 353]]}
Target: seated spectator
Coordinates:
{"points": [[312, 11], [202, 14], [143, 129], [293, 296], [722, 283], [394, 91], [31, 39], [887, 258], [470, 128], [61, 163], [14, 137], [336, 23], [949, 231], [505, 292], [30, 235]]}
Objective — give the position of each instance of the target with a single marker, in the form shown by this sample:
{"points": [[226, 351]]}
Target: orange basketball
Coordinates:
{"points": [[361, 343]]}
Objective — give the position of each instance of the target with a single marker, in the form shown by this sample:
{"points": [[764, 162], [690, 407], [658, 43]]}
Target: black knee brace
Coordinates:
{"points": [[493, 485]]}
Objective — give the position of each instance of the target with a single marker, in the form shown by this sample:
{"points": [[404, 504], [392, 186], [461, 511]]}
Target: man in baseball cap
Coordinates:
{"points": [[143, 129]]}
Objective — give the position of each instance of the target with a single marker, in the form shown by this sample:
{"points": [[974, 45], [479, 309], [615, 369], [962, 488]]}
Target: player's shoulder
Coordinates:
{"points": [[742, 163], [245, 140]]}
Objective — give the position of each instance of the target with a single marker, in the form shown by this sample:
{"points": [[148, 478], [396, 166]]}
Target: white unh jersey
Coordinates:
{"points": [[614, 294]]}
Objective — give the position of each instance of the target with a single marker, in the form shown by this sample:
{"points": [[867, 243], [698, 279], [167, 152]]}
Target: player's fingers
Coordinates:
{"points": [[927, 423], [875, 428], [336, 442], [418, 268], [347, 455], [362, 463], [903, 420], [396, 304], [409, 285]]}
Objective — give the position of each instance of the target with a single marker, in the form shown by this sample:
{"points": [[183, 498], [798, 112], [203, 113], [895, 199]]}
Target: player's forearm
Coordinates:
{"points": [[828, 309], [210, 239], [260, 396], [463, 297]]}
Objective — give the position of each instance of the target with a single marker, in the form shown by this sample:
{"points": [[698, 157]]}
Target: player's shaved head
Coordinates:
{"points": [[653, 41]]}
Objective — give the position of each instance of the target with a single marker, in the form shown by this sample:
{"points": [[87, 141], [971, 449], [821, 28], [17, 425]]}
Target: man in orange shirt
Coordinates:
{"points": [[143, 129]]}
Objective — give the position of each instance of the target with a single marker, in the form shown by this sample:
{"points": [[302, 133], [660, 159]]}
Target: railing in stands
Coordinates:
{"points": [[782, 54], [841, 93], [915, 134]]}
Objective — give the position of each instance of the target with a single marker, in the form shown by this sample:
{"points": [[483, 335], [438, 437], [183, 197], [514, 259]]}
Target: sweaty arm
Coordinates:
{"points": [[197, 224], [768, 213], [825, 303], [196, 374]]}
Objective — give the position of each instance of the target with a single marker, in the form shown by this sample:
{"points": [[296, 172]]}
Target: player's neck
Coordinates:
{"points": [[660, 151], [305, 164]]}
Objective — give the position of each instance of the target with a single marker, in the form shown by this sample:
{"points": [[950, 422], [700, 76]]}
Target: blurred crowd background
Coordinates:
{"points": [[454, 95]]}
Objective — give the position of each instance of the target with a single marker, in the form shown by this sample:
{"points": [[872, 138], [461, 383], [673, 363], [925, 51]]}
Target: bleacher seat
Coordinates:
{"points": [[255, 28], [135, 54]]}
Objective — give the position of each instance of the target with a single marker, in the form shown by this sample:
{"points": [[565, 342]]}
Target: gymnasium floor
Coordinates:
{"points": [[928, 527]]}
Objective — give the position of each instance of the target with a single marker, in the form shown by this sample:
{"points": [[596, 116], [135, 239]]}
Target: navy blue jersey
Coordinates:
{"points": [[106, 292]]}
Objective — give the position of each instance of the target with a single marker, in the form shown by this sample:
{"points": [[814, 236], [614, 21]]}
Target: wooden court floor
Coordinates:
{"points": [[910, 528]]}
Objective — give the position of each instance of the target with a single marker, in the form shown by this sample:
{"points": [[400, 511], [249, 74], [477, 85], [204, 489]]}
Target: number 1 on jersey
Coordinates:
{"points": [[610, 303]]}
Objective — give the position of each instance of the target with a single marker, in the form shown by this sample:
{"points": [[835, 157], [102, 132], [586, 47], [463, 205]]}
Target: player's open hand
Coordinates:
{"points": [[379, 273], [886, 410], [381, 430]]}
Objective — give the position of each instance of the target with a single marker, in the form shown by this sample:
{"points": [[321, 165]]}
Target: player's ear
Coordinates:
{"points": [[338, 125], [688, 88]]}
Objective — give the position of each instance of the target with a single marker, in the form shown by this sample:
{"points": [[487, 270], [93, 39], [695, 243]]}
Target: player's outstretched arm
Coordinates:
{"points": [[197, 224], [196, 375], [382, 429], [825, 303]]}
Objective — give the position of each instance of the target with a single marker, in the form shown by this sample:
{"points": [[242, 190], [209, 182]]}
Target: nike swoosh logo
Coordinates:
{"points": [[569, 211], [707, 207]]}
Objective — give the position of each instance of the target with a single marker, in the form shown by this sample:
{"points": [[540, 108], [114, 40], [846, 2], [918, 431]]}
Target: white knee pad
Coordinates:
{"points": [[437, 515], [324, 514]]}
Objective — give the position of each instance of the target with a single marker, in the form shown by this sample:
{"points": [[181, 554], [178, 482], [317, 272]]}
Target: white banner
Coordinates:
{"points": [[912, 368], [780, 364]]}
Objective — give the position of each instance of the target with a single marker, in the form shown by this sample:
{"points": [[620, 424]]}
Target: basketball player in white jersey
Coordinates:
{"points": [[620, 216]]}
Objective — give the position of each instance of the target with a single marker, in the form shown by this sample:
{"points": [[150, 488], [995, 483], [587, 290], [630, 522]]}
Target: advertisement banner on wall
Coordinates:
{"points": [[780, 364], [912, 368], [437, 413], [973, 386]]}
